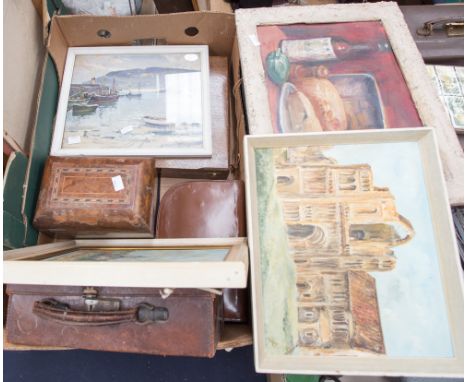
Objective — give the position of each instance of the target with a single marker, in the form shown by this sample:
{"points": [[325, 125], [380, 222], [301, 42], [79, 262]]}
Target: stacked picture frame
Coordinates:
{"points": [[349, 149]]}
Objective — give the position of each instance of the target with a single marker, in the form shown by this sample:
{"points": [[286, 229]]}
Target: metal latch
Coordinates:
{"points": [[453, 27], [93, 303]]}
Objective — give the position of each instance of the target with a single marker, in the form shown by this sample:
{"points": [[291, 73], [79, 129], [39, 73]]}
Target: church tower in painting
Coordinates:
{"points": [[339, 227]]}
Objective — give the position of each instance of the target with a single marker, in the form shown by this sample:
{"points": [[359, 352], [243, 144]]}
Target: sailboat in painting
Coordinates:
{"points": [[162, 124]]}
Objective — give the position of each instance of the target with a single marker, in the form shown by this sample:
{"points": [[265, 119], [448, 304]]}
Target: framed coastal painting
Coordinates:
{"points": [[137, 100], [145, 263], [354, 262], [340, 67]]}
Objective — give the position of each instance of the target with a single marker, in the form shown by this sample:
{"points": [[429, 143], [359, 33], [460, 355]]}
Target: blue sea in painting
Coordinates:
{"points": [[139, 121]]}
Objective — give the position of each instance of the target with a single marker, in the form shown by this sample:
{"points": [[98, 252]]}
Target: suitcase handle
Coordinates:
{"points": [[142, 314]]}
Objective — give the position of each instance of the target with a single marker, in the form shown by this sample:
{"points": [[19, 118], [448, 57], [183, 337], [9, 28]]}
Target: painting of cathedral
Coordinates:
{"points": [[340, 228], [349, 246]]}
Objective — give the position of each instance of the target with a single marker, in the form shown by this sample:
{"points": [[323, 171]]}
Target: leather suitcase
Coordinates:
{"points": [[437, 31], [185, 322], [207, 209], [97, 197]]}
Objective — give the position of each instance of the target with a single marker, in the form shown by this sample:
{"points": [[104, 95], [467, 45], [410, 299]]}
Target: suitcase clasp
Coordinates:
{"points": [[453, 27], [93, 303]]}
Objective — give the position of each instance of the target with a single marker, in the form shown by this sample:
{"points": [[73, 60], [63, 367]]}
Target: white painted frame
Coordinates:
{"points": [[444, 235], [23, 266], [423, 92], [206, 150]]}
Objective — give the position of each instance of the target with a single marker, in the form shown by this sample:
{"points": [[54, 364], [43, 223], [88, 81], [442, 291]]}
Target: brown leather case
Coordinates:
{"points": [[78, 197], [434, 30], [207, 209], [215, 166], [139, 320]]}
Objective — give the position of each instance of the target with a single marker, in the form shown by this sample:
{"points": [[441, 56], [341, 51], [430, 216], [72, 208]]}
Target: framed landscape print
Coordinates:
{"points": [[146, 263], [137, 100], [340, 67], [354, 263]]}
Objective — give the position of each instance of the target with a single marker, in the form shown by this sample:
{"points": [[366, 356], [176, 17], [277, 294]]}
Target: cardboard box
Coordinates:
{"points": [[23, 52], [217, 30], [214, 29]]}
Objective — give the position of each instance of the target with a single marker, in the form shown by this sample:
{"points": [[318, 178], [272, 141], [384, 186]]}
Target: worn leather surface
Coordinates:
{"points": [[78, 198], [202, 209], [191, 329], [55, 310], [437, 48], [207, 209]]}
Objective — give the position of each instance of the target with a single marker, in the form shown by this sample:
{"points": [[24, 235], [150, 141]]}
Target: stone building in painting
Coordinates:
{"points": [[340, 226]]}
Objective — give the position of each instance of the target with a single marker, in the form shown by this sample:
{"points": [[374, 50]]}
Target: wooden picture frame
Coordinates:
{"points": [[26, 265], [303, 335], [128, 101], [420, 90]]}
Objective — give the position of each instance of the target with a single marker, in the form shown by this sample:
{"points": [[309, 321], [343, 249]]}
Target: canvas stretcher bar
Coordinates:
{"points": [[217, 263], [259, 97]]}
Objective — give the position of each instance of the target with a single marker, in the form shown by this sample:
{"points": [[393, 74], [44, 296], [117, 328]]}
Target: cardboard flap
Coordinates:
{"points": [[217, 30]]}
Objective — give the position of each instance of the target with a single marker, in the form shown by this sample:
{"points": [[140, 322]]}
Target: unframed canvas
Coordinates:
{"points": [[340, 67], [353, 259], [150, 100]]}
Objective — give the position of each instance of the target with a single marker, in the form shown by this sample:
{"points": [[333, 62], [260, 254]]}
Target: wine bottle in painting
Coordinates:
{"points": [[328, 49]]}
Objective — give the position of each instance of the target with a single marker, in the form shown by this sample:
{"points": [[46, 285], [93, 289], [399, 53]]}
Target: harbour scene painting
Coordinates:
{"points": [[333, 76], [348, 259], [135, 100]]}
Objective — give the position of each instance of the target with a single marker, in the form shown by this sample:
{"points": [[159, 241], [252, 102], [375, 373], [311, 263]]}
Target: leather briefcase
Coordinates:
{"points": [[182, 322], [438, 31], [207, 209]]}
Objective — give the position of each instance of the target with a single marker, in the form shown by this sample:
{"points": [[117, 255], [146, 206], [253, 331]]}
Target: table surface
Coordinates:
{"points": [[81, 365]]}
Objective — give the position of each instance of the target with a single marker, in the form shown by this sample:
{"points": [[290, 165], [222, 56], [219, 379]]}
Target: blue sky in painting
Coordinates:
{"points": [[411, 301]]}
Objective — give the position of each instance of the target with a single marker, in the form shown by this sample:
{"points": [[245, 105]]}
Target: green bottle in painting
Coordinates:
{"points": [[278, 66]]}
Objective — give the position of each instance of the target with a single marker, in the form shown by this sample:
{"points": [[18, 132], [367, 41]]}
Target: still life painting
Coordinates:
{"points": [[337, 76], [344, 253], [134, 101], [340, 67]]}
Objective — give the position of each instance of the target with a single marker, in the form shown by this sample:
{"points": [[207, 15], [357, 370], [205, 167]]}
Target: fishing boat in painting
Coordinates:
{"points": [[133, 94], [83, 109], [161, 123], [104, 99]]}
